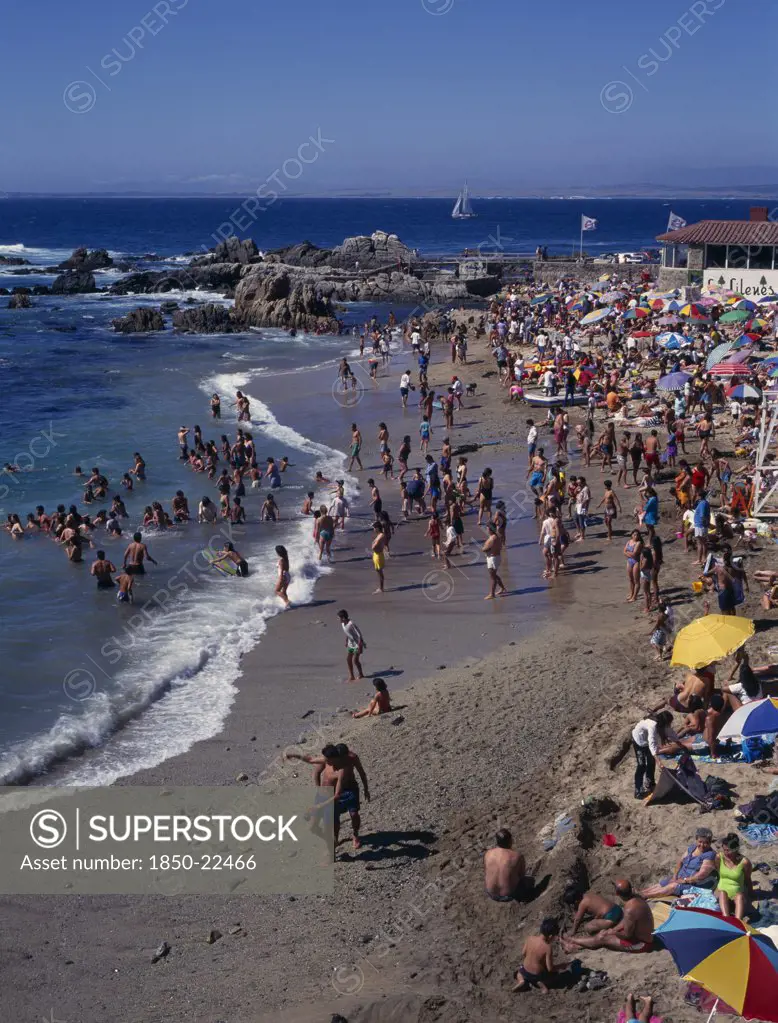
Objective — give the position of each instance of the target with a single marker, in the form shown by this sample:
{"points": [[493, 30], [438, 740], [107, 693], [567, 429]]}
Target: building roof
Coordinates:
{"points": [[724, 232]]}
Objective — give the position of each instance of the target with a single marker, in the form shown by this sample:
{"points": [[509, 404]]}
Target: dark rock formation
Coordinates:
{"points": [[41, 289], [19, 290], [13, 261], [360, 253], [213, 277], [84, 260], [4, 291], [168, 307], [19, 302], [205, 319], [276, 298], [231, 250], [143, 320], [74, 282]]}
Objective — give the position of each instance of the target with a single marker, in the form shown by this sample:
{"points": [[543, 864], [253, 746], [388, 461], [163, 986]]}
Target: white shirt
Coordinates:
{"points": [[405, 380], [532, 435], [415, 338], [548, 378], [353, 635], [451, 535], [646, 733], [582, 500]]}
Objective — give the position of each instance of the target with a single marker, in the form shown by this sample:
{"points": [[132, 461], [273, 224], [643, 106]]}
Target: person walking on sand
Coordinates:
{"points": [[355, 644], [356, 447], [492, 548], [377, 549], [611, 507]]}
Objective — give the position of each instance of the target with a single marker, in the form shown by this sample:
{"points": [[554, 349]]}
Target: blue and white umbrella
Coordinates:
{"points": [[673, 340]]}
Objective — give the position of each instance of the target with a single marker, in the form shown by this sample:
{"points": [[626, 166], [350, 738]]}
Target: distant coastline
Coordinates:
{"points": [[756, 192]]}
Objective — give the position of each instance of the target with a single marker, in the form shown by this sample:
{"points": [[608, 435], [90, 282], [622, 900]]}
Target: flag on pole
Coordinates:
{"points": [[588, 224], [675, 223]]}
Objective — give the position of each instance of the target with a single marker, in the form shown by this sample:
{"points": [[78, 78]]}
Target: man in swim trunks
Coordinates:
{"points": [[493, 551], [504, 869], [377, 548], [102, 569], [135, 555], [603, 912], [335, 769], [634, 934], [356, 447], [235, 557]]}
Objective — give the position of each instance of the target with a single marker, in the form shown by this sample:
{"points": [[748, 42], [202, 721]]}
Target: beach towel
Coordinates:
{"points": [[698, 898], [760, 834]]}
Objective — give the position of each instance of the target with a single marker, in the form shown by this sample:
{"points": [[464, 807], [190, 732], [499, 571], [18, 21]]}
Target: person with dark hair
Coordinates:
{"points": [[380, 704], [504, 869], [748, 686], [604, 912], [355, 644], [230, 554], [284, 577], [735, 884], [537, 958], [335, 769], [634, 934], [696, 869], [135, 555], [102, 570], [650, 737], [377, 548]]}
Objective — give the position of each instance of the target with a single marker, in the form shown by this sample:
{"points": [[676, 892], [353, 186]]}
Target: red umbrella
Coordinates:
{"points": [[729, 368], [642, 333]]}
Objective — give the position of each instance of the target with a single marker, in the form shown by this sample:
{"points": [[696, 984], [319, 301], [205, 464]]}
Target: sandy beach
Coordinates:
{"points": [[507, 713]]}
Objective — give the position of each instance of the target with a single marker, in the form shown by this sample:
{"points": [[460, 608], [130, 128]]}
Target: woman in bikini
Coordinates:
{"points": [[632, 551], [722, 470], [284, 577]]}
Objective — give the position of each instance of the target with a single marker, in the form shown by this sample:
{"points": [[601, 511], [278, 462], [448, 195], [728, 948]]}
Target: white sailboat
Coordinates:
{"points": [[462, 208]]}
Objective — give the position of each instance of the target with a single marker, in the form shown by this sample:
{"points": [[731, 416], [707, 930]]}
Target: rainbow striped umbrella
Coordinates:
{"points": [[731, 960], [757, 718], [595, 316], [694, 310], [742, 303], [639, 313], [756, 324]]}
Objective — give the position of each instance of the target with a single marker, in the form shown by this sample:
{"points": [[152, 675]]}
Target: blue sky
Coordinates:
{"points": [[214, 95]]}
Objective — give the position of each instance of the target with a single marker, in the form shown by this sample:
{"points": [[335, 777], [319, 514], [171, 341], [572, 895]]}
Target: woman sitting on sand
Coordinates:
{"points": [[696, 869], [735, 883], [380, 704]]}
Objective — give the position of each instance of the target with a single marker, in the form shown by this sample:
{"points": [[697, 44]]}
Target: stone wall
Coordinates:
{"points": [[549, 271]]}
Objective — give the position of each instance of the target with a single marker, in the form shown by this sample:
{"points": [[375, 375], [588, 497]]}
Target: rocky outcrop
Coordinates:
{"points": [[19, 302], [279, 298], [41, 289], [363, 252], [231, 250], [84, 260], [142, 320], [74, 282], [220, 277], [13, 261], [205, 319], [168, 307]]}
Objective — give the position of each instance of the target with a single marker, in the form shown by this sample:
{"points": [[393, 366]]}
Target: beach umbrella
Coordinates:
{"points": [[753, 336], [639, 313], [673, 306], [742, 303], [641, 333], [744, 341], [665, 321], [709, 301], [731, 960], [757, 718], [656, 304], [710, 639], [767, 299], [605, 277], [744, 392], [540, 299], [679, 339], [734, 316], [673, 382], [718, 354], [729, 369], [757, 323], [694, 310], [613, 296], [595, 316]]}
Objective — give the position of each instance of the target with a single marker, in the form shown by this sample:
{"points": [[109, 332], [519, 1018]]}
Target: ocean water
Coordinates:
{"points": [[143, 683]]}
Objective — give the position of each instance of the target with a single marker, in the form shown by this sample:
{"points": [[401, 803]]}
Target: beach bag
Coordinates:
{"points": [[754, 748]]}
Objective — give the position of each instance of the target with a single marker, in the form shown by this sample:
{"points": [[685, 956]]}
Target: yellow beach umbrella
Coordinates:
{"points": [[710, 639]]}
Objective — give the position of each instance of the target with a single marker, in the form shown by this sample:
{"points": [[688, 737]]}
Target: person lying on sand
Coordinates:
{"points": [[504, 869], [630, 1009], [634, 934], [604, 913], [696, 869], [538, 958]]}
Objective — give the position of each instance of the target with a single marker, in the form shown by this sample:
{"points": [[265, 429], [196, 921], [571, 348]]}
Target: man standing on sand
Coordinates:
{"points": [[493, 551], [405, 386], [355, 644], [379, 558], [634, 934], [504, 869], [135, 555], [335, 769], [356, 447]]}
